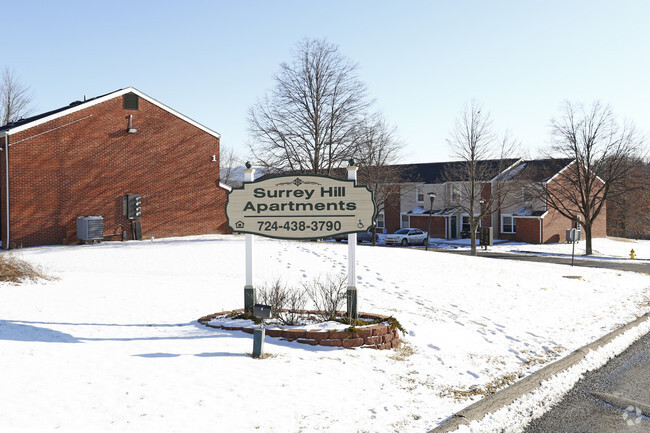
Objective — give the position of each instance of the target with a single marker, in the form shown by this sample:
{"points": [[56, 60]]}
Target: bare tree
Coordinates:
{"points": [[309, 120], [378, 150], [15, 98], [628, 207], [483, 158], [228, 161], [601, 149]]}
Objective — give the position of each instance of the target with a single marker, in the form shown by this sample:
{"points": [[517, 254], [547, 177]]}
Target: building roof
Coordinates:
{"points": [[440, 172], [23, 124], [527, 211], [446, 211], [539, 170]]}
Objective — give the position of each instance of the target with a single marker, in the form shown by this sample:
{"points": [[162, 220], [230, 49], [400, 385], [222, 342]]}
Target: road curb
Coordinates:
{"points": [[506, 396]]}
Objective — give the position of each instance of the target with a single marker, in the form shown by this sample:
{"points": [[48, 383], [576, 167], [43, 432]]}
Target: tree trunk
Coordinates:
{"points": [[472, 229], [588, 249]]}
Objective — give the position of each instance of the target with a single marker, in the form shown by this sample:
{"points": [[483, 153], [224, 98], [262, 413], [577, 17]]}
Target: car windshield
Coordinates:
{"points": [[402, 231]]}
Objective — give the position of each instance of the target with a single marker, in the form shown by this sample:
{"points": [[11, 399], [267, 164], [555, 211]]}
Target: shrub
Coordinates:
{"points": [[327, 294], [286, 304], [15, 270]]}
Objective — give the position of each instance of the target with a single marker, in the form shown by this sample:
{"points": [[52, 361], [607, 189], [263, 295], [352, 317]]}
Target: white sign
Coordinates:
{"points": [[300, 207]]}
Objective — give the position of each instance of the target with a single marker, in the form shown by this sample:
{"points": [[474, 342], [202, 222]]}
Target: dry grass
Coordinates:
{"points": [[16, 270], [403, 352], [487, 389], [645, 302]]}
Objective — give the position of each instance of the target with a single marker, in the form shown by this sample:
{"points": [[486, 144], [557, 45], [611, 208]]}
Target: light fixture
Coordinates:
{"points": [[432, 197]]}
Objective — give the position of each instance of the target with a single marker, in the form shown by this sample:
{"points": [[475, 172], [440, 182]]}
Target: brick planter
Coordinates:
{"points": [[379, 336]]}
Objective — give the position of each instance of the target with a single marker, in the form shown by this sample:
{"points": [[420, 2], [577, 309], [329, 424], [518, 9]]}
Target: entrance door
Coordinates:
{"points": [[453, 229]]}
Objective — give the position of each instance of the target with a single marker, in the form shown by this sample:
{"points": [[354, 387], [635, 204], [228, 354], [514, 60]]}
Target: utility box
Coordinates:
{"points": [[137, 230], [133, 206], [486, 236], [573, 235], [90, 228]]}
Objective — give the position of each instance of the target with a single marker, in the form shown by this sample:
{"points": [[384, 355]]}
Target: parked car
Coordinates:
{"points": [[361, 237], [407, 237]]}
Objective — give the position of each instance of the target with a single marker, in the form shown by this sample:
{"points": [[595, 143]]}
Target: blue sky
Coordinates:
{"points": [[421, 60]]}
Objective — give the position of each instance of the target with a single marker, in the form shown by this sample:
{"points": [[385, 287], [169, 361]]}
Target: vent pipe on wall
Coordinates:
{"points": [[131, 129]]}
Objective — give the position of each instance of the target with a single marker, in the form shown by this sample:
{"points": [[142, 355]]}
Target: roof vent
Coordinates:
{"points": [[72, 104], [130, 101]]}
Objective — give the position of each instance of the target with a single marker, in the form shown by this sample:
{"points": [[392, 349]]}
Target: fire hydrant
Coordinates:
{"points": [[632, 254]]}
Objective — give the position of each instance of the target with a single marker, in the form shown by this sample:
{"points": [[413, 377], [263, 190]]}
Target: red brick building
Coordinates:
{"points": [[83, 159], [523, 215]]}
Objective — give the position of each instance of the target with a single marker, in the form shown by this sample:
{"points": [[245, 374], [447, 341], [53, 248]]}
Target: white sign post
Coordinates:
{"points": [[353, 312], [249, 289]]}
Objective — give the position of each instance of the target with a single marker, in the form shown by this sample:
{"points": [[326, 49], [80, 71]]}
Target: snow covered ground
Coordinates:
{"points": [[113, 343], [603, 248]]}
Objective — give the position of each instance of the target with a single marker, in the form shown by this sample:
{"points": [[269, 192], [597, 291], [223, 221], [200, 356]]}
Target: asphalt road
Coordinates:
{"points": [[615, 398]]}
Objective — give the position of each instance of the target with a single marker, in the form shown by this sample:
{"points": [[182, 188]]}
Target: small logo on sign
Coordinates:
{"points": [[297, 181], [239, 225]]}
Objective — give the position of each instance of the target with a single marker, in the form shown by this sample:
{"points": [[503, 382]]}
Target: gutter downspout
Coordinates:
{"points": [[540, 230], [446, 226], [6, 146]]}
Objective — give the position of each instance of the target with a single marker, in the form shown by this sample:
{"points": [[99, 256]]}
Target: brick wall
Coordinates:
{"points": [[599, 227], [392, 218], [437, 225], [86, 167], [527, 230], [555, 224]]}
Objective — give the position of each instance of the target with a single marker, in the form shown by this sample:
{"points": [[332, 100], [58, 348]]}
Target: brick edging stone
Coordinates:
{"points": [[380, 336]]}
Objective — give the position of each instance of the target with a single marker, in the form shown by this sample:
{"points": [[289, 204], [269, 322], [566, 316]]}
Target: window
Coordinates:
{"points": [[508, 224], [527, 193], [464, 222], [130, 101], [406, 221], [380, 221], [455, 193], [419, 194]]}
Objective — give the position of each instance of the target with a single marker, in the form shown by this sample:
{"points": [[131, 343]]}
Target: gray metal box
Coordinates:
{"points": [[262, 311], [573, 235], [90, 228], [486, 236]]}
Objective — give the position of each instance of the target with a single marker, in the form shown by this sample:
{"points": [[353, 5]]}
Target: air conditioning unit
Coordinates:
{"points": [[90, 228]]}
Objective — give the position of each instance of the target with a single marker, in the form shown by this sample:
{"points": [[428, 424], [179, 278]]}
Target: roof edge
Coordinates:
{"points": [[550, 179], [105, 98], [507, 169], [542, 216]]}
